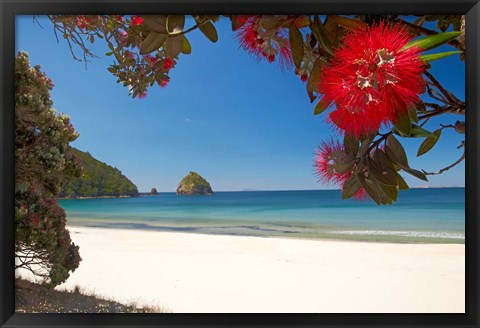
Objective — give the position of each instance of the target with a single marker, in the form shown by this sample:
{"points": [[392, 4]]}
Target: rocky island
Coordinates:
{"points": [[194, 184]]}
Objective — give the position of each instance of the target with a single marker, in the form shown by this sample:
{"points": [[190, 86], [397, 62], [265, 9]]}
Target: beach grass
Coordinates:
{"points": [[36, 298]]}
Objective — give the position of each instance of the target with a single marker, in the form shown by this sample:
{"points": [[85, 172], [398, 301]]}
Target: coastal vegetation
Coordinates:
{"points": [[97, 179], [35, 298], [194, 184], [43, 164]]}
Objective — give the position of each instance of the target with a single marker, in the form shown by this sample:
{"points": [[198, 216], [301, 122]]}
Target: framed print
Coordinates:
{"points": [[260, 163]]}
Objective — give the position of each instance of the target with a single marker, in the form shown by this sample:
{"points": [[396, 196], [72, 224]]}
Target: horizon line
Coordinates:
{"points": [[254, 190]]}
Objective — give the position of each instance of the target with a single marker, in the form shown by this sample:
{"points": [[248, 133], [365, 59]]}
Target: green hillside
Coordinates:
{"points": [[97, 180]]}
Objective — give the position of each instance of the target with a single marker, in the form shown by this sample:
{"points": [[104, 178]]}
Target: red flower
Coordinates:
{"points": [[327, 156], [142, 95], [150, 60], [248, 37], [262, 44], [82, 21], [167, 64], [136, 20], [372, 79], [164, 83]]}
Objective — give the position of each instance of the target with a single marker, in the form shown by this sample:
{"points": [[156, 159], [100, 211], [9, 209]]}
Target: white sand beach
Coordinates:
{"points": [[184, 272]]}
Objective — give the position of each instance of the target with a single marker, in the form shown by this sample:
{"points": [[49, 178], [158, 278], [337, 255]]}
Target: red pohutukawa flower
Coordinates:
{"points": [[372, 78], [136, 20], [248, 36], [167, 64], [327, 157], [262, 43], [83, 21], [164, 83], [151, 61]]}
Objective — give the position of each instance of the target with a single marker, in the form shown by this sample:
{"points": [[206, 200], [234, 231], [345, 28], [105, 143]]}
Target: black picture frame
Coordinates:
{"points": [[10, 8]]}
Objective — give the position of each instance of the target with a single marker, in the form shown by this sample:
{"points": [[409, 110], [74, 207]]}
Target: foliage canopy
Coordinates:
{"points": [[42, 164]]}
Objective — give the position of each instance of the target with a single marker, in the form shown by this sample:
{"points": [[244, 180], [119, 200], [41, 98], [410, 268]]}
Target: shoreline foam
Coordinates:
{"points": [[274, 230]]}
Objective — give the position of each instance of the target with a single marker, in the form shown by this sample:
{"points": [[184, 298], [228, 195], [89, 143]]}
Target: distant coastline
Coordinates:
{"points": [[144, 194], [95, 197]]}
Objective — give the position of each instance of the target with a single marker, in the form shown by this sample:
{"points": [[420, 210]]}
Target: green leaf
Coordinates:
{"points": [[315, 74], [384, 161], [186, 47], [431, 57], [155, 23], [365, 144], [402, 185], [213, 18], [419, 132], [173, 46], [370, 189], [350, 187], [390, 191], [382, 175], [421, 107], [403, 124], [270, 22], [320, 107], [175, 23], [209, 31], [152, 42], [382, 196], [296, 45], [350, 143], [344, 167], [412, 113], [429, 143], [395, 151], [432, 41], [415, 173], [322, 35]]}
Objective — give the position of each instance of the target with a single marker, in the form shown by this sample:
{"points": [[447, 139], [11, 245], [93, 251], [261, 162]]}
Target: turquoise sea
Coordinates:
{"points": [[419, 215]]}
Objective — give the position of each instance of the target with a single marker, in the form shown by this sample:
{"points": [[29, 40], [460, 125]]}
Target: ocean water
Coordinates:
{"points": [[419, 215]]}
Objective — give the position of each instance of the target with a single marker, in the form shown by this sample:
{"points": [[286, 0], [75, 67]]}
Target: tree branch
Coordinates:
{"points": [[458, 161]]}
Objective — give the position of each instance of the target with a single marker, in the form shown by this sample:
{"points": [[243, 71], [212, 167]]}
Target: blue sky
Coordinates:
{"points": [[238, 123]]}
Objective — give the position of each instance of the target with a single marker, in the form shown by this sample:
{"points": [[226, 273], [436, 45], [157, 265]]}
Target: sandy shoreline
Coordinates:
{"points": [[184, 272]]}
